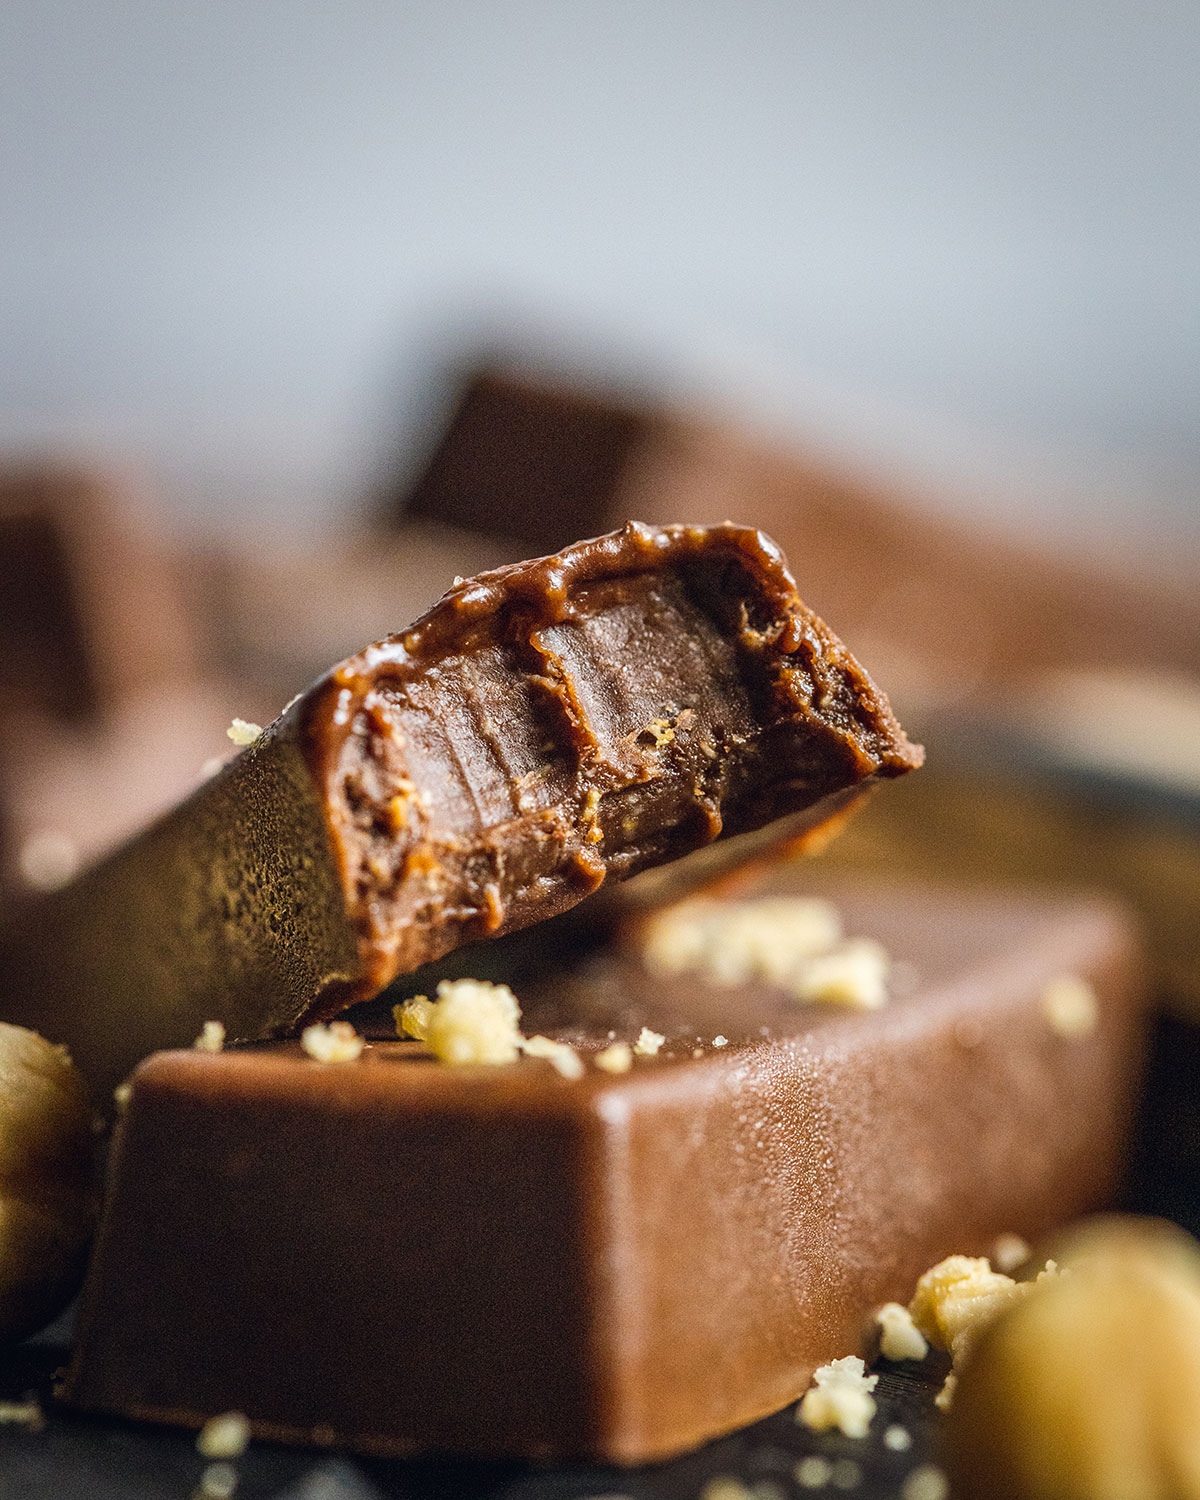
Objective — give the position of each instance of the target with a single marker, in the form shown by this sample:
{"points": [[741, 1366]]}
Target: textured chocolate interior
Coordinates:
{"points": [[400, 1256], [542, 728]]}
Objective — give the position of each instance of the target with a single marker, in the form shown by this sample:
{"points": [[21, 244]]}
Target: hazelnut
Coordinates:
{"points": [[47, 1205], [1088, 1387]]}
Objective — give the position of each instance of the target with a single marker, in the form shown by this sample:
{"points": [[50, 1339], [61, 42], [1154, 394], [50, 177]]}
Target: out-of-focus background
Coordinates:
{"points": [[308, 307]]}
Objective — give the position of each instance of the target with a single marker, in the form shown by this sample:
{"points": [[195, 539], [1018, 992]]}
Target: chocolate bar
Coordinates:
{"points": [[89, 606], [947, 610], [543, 728], [400, 1256]]}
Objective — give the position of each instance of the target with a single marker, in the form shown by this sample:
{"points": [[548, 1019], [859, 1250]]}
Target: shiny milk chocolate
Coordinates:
{"points": [[401, 1256]]}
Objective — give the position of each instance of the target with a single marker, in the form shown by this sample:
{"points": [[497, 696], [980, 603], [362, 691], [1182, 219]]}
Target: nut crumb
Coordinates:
{"points": [[840, 1397], [336, 1043], [720, 1041], [226, 1436], [925, 1483], [897, 1438], [648, 1042], [854, 975], [959, 1297], [944, 1399], [1071, 1007], [242, 732], [471, 1021], [615, 1058], [562, 1057], [122, 1095], [899, 1336], [211, 1038]]}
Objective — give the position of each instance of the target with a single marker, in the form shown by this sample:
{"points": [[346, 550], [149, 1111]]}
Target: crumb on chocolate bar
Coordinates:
{"points": [[211, 1038], [242, 732], [793, 942], [897, 1439], [471, 1021], [617, 1057], [840, 1397], [560, 1055], [899, 1336], [336, 1043], [648, 1042], [1071, 1007]]}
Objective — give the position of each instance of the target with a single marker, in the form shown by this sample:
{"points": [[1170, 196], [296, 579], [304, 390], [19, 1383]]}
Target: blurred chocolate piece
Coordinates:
{"points": [[399, 1256], [89, 607], [542, 728], [532, 462], [948, 610]]}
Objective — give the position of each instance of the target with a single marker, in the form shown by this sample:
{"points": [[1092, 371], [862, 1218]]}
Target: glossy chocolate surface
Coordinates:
{"points": [[543, 728], [399, 1256]]}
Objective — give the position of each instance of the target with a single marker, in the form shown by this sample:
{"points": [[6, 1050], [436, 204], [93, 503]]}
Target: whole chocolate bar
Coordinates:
{"points": [[401, 1256], [544, 727]]}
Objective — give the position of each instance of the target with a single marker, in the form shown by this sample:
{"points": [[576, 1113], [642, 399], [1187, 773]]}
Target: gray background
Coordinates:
{"points": [[957, 239]]}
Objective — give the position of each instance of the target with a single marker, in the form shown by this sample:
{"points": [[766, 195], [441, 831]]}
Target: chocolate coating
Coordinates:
{"points": [[400, 1256], [542, 728]]}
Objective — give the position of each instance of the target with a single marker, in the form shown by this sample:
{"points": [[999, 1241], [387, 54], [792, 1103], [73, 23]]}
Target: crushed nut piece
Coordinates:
{"points": [[854, 974], [661, 731], [560, 1055], [732, 942], [242, 732], [226, 1436], [122, 1095], [899, 1336], [1009, 1253], [211, 1038], [1071, 1007], [336, 1043], [840, 1397], [925, 1483], [720, 1041], [615, 1058], [471, 1021], [958, 1298], [648, 1042], [944, 1399], [897, 1438]]}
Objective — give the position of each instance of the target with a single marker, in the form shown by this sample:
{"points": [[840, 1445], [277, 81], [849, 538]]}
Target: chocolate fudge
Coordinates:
{"points": [[543, 728], [397, 1255]]}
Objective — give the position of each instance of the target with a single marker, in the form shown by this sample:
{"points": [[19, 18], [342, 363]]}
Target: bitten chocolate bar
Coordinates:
{"points": [[543, 728], [399, 1256]]}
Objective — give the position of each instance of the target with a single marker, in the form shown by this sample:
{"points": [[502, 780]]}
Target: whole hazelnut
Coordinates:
{"points": [[47, 1204], [1088, 1388]]}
